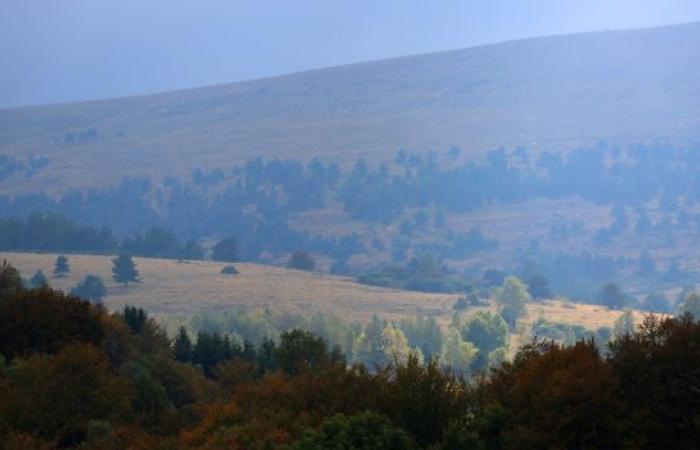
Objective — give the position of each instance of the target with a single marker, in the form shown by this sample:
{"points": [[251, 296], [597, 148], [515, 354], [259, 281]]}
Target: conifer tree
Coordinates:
{"points": [[124, 270], [38, 279], [61, 266], [182, 347]]}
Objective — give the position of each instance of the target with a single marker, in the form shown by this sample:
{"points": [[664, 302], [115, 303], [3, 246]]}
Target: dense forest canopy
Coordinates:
{"points": [[139, 388]]}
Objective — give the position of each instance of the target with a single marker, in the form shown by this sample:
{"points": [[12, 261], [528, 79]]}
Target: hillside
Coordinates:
{"points": [[553, 92], [180, 288]]}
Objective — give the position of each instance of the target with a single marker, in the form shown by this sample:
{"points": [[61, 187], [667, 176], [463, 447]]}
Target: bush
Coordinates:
{"points": [[301, 260], [91, 288], [229, 270]]}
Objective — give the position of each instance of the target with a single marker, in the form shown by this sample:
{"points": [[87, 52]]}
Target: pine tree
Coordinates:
{"points": [[38, 280], [124, 270], [91, 288], [182, 347], [135, 318], [61, 266]]}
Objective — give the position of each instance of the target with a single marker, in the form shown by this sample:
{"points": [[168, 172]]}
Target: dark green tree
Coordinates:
{"points": [[364, 431], [91, 288], [38, 280], [182, 347], [488, 332], [135, 318], [124, 270], [301, 260], [226, 250], [300, 350], [611, 296], [10, 280], [61, 266]]}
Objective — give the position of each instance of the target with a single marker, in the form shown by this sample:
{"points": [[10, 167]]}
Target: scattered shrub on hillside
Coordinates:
{"points": [[229, 270]]}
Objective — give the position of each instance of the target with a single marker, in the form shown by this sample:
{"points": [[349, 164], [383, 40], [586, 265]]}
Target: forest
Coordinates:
{"points": [[401, 210], [73, 375]]}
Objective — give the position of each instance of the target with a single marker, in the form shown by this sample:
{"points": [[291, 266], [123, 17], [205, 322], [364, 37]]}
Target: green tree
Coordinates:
{"points": [[182, 347], [135, 318], [38, 280], [611, 296], [300, 350], [364, 431], [423, 333], [61, 266], [369, 347], [488, 332], [458, 355], [10, 280], [511, 297], [91, 288], [301, 260], [124, 270], [395, 344], [226, 250]]}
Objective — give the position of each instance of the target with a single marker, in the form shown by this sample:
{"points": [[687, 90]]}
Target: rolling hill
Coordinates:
{"points": [[551, 92], [172, 288]]}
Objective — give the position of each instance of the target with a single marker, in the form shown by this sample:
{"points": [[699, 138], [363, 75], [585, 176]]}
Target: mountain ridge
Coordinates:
{"points": [[545, 92]]}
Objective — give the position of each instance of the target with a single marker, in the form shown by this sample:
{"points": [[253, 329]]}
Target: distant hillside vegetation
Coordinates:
{"points": [[561, 92]]}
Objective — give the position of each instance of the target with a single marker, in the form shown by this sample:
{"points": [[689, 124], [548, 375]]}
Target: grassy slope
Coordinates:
{"points": [[170, 287], [557, 91]]}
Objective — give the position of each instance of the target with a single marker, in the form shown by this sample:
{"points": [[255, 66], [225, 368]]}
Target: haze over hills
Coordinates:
{"points": [[544, 93]]}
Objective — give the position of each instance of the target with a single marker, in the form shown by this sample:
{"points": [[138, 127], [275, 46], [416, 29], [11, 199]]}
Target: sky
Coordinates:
{"points": [[71, 50]]}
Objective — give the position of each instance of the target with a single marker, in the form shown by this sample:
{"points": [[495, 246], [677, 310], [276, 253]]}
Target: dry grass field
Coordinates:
{"points": [[180, 288]]}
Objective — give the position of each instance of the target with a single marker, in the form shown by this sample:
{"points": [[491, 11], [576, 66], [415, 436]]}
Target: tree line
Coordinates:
{"points": [[73, 375]]}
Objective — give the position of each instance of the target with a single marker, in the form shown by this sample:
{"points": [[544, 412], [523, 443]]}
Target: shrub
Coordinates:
{"points": [[229, 270]]}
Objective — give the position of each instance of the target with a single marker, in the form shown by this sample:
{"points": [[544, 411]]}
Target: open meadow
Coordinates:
{"points": [[170, 287]]}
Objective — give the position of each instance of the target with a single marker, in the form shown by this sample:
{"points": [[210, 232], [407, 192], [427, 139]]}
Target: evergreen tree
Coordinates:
{"points": [[124, 270], [135, 318], [38, 280], [91, 288], [61, 266], [10, 280], [182, 347], [301, 260], [226, 250], [611, 296]]}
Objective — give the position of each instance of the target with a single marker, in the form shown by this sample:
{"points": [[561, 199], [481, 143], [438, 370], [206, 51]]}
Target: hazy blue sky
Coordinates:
{"points": [[64, 50]]}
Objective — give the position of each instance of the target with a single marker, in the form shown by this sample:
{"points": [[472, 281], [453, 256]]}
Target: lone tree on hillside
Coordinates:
{"points": [[301, 260], [124, 270], [61, 267], [226, 250], [91, 288]]}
